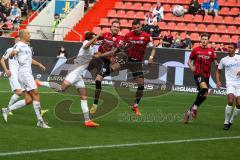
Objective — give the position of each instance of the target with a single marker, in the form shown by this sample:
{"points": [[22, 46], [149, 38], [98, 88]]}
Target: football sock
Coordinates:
{"points": [[139, 94], [13, 99], [228, 111], [85, 111], [37, 109], [236, 111], [45, 84], [17, 105], [97, 91], [201, 97]]}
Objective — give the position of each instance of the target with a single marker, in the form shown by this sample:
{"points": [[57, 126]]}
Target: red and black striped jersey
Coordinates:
{"points": [[203, 58], [109, 41]]}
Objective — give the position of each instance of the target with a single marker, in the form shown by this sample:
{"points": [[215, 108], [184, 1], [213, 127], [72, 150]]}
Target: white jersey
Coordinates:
{"points": [[12, 61], [232, 67], [85, 55], [24, 57]]}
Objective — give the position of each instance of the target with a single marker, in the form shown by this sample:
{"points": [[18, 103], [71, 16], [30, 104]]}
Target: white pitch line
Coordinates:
{"points": [[116, 146]]}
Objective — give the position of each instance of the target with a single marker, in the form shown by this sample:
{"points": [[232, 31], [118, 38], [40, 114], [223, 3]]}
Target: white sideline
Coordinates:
{"points": [[115, 146]]}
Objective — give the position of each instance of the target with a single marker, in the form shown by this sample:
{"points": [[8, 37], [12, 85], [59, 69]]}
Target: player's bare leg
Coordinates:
{"points": [[88, 122], [98, 89]]}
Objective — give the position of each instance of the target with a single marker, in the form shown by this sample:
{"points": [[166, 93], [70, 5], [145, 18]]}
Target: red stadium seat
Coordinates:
{"points": [[181, 26], [128, 5], [224, 11], [119, 5], [124, 23], [180, 19], [147, 6], [235, 38], [171, 25], [194, 36], [237, 20], [139, 15], [232, 29], [156, 42], [96, 30], [183, 35], [104, 22], [182, 2], [111, 13], [201, 28], [121, 14], [225, 39], [168, 16], [198, 18], [188, 18], [137, 6], [231, 3], [214, 38], [162, 25], [124, 32], [208, 19], [163, 33], [130, 14], [222, 2], [105, 29], [167, 7], [196, 45], [218, 19], [221, 29], [211, 28], [234, 11], [228, 20], [191, 27]]}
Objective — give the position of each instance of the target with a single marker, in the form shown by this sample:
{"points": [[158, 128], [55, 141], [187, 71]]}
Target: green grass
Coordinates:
{"points": [[20, 133]]}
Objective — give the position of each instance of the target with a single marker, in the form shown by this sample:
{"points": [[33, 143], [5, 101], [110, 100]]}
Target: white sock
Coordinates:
{"points": [[17, 105], [13, 99], [45, 84], [37, 109], [234, 115], [194, 107], [85, 110], [228, 111]]}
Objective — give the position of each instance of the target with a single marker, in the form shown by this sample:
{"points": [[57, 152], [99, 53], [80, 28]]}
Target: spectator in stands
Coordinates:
{"points": [[62, 53], [8, 9], [160, 44], [187, 42], [15, 14], [86, 4], [205, 6], [168, 39], [194, 7], [2, 15], [55, 22], [154, 30], [222, 48], [158, 12], [238, 43], [35, 4], [151, 19], [145, 26], [24, 8], [177, 42], [214, 7], [214, 46]]}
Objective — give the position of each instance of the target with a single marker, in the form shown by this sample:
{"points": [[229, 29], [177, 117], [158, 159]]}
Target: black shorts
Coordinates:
{"points": [[105, 67], [136, 67], [99, 66], [199, 79]]}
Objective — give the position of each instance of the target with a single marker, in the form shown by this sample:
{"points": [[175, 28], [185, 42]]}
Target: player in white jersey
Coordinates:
{"points": [[231, 64], [23, 53], [75, 77], [12, 72]]}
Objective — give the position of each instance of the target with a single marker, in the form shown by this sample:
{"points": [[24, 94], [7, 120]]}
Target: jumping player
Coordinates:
{"points": [[200, 62]]}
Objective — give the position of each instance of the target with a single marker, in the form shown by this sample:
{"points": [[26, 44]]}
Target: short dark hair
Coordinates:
{"points": [[135, 22], [89, 35], [205, 35], [115, 21], [233, 44]]}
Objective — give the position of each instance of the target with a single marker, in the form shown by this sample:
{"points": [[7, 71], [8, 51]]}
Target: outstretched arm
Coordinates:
{"points": [[36, 63]]}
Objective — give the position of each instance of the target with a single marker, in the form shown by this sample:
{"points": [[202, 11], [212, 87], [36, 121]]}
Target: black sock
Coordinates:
{"points": [[139, 94], [199, 100], [97, 91]]}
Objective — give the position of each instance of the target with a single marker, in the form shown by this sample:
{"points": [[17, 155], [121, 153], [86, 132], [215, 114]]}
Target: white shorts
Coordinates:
{"points": [[75, 77], [27, 82], [14, 83], [234, 89]]}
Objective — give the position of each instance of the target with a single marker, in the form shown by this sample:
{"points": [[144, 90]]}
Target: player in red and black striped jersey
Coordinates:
{"points": [[110, 40], [200, 62]]}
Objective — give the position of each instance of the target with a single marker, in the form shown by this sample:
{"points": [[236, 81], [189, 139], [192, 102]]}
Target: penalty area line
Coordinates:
{"points": [[115, 146]]}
